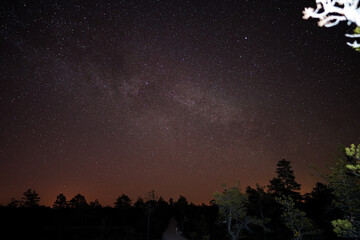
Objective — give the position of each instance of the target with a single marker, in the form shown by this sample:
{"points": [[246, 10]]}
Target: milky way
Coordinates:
{"points": [[110, 97]]}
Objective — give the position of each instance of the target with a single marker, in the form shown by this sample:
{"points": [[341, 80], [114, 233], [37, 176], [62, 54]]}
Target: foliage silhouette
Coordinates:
{"points": [[123, 202], [60, 202], [284, 183], [78, 201], [31, 199]]}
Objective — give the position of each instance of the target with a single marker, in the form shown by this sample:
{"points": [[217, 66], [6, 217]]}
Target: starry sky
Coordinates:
{"points": [[105, 97]]}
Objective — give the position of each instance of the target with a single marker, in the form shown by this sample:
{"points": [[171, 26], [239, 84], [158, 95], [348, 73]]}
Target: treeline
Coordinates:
{"points": [[275, 211], [145, 218]]}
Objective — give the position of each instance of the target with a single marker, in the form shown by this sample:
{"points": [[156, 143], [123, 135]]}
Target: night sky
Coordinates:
{"points": [[105, 97]]}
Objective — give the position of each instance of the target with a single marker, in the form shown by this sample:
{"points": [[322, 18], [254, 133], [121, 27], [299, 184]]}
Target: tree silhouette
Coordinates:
{"points": [[78, 202], [181, 206], [95, 204], [150, 205], [139, 204], [171, 202], [123, 202], [259, 204], [318, 205], [284, 184], [161, 202], [14, 203], [60, 202], [31, 199]]}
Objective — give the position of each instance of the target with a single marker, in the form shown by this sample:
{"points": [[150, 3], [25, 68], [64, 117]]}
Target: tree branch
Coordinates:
{"points": [[331, 12]]}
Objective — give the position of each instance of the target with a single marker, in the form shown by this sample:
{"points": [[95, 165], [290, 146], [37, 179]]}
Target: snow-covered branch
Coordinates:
{"points": [[331, 12]]}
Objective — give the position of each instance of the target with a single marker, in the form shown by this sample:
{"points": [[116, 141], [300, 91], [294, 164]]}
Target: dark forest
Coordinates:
{"points": [[275, 211]]}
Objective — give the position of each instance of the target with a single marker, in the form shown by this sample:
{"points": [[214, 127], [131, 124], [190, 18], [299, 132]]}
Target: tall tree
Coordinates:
{"points": [[181, 206], [139, 204], [123, 202], [60, 202], [162, 203], [31, 199], [232, 209], [78, 201], [346, 187], [318, 206], [284, 183], [150, 205], [295, 219], [260, 203], [95, 204]]}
